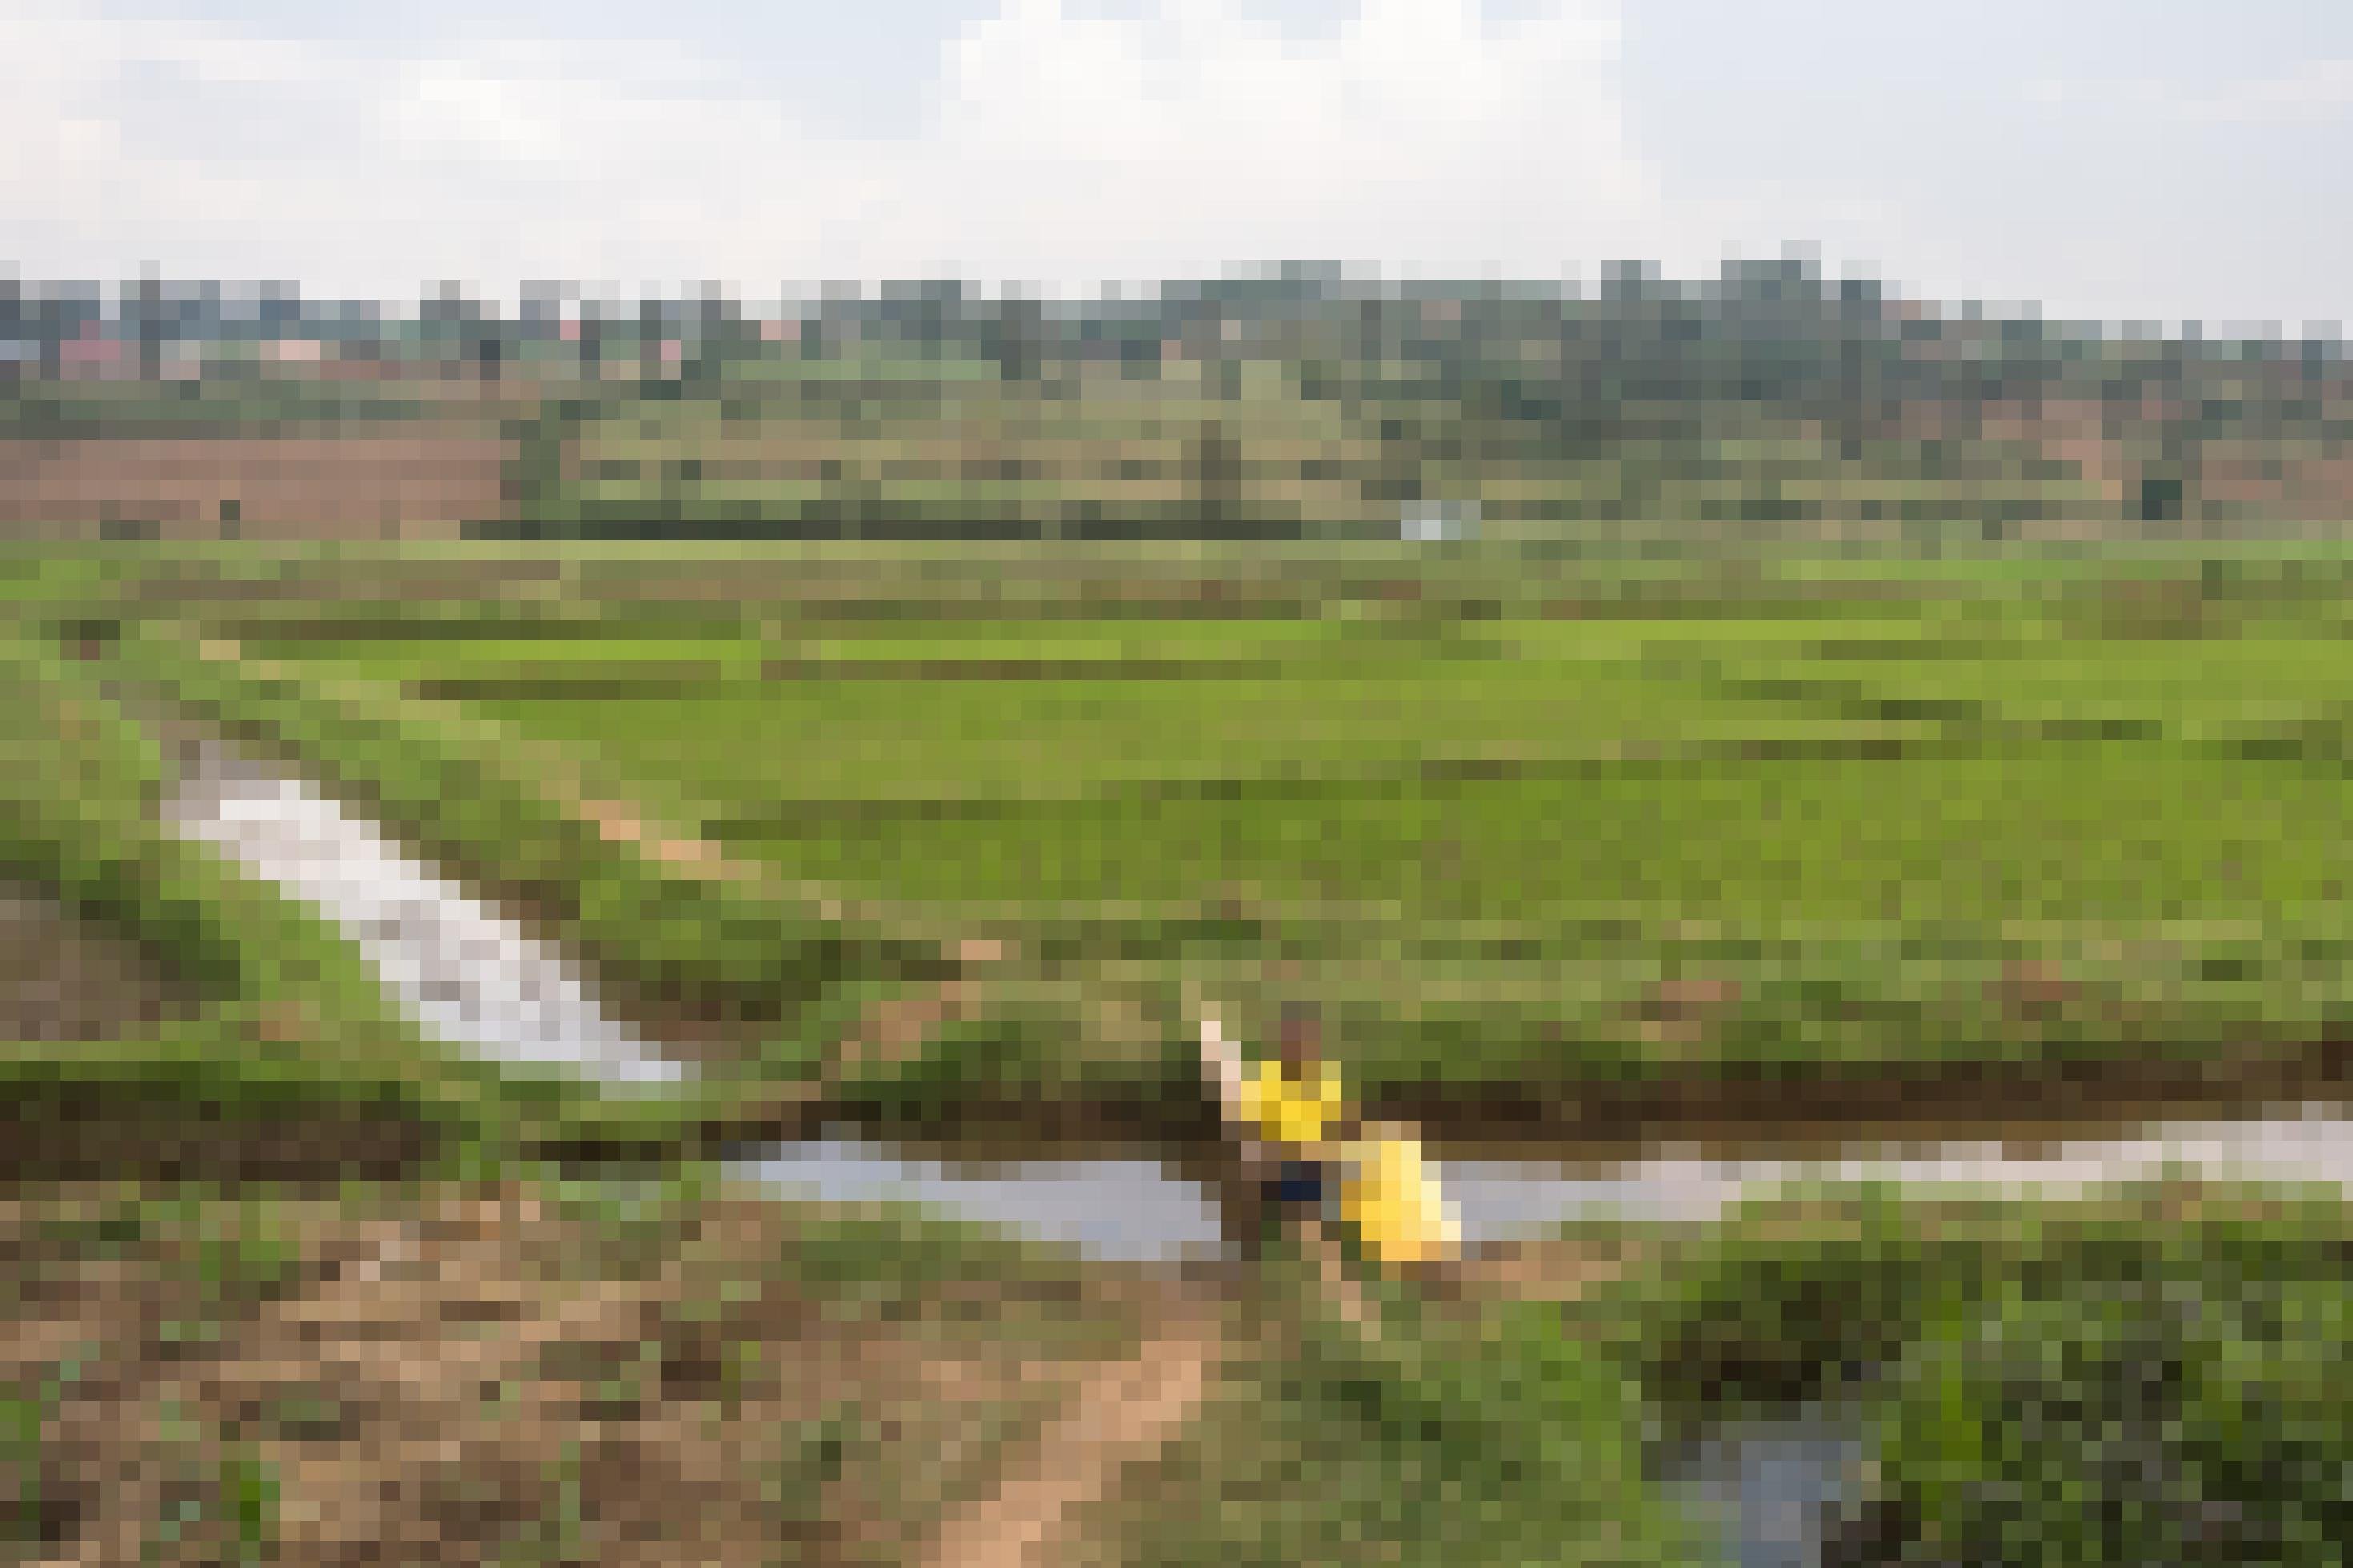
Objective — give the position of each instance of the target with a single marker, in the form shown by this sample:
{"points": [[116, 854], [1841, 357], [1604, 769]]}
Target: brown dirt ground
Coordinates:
{"points": [[1546, 1271], [1122, 1414], [364, 484], [64, 979], [468, 1376]]}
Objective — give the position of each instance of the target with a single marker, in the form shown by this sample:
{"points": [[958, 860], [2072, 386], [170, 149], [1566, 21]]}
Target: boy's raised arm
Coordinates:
{"points": [[1223, 1061]]}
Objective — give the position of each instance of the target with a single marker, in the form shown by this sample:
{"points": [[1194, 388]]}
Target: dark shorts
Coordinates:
{"points": [[1299, 1184]]}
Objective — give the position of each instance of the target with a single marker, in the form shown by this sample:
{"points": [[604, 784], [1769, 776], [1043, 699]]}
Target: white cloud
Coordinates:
{"points": [[2316, 91], [456, 106], [1416, 133], [1061, 150]]}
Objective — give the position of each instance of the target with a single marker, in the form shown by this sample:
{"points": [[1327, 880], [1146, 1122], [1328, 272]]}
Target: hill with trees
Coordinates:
{"points": [[1302, 402]]}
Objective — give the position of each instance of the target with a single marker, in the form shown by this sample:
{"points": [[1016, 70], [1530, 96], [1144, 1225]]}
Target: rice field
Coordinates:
{"points": [[1535, 831]]}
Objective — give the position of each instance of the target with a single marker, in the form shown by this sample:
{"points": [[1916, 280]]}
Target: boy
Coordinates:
{"points": [[1301, 1148], [1292, 1115]]}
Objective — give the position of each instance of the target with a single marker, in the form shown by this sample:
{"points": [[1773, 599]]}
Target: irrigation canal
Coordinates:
{"points": [[475, 981]]}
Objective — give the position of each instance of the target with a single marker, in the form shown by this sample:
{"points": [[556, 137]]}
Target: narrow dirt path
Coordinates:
{"points": [[1126, 1412], [1543, 1270], [1122, 1414]]}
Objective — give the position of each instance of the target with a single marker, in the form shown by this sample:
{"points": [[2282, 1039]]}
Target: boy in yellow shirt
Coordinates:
{"points": [[1301, 1141], [1286, 1110]]}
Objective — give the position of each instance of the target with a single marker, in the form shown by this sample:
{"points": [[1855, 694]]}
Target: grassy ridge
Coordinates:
{"points": [[471, 805], [282, 1019], [279, 1010], [784, 978], [84, 786]]}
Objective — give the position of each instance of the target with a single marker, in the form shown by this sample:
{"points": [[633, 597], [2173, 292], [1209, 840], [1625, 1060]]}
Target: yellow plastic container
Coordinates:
{"points": [[1392, 1202]]}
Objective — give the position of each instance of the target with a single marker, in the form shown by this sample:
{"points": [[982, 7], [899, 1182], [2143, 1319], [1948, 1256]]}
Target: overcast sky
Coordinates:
{"points": [[2142, 160]]}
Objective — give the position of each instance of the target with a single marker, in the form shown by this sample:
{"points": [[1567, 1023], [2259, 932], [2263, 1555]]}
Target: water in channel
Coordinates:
{"points": [[474, 980]]}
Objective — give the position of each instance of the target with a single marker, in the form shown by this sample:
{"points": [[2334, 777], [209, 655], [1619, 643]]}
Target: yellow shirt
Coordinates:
{"points": [[1285, 1111], [1394, 1203]]}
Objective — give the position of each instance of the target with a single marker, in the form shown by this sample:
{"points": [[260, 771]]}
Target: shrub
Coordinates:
{"points": [[2153, 1410]]}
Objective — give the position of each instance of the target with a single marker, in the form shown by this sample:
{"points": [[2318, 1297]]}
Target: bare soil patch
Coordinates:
{"points": [[1121, 1413], [379, 484], [474, 1375], [62, 978], [1549, 1270]]}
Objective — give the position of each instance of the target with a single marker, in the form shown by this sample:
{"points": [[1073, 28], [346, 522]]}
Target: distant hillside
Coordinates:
{"points": [[1299, 403]]}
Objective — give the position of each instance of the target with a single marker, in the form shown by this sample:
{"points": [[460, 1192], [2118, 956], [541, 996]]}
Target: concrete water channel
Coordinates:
{"points": [[474, 980]]}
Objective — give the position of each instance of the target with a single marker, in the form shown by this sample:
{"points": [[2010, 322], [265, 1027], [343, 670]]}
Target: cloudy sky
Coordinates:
{"points": [[2142, 160]]}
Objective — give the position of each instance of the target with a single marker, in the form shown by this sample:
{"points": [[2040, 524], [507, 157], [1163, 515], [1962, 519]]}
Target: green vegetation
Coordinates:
{"points": [[1485, 1438], [2149, 1408], [471, 807], [222, 408], [2132, 1378], [1533, 831], [277, 1013], [1767, 402], [276, 1007], [1536, 832], [22, 1417]]}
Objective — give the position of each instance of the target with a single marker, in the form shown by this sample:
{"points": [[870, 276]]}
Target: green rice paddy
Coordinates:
{"points": [[1527, 827]]}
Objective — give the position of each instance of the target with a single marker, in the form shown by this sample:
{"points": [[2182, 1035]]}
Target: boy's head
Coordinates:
{"points": [[1302, 1040]]}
